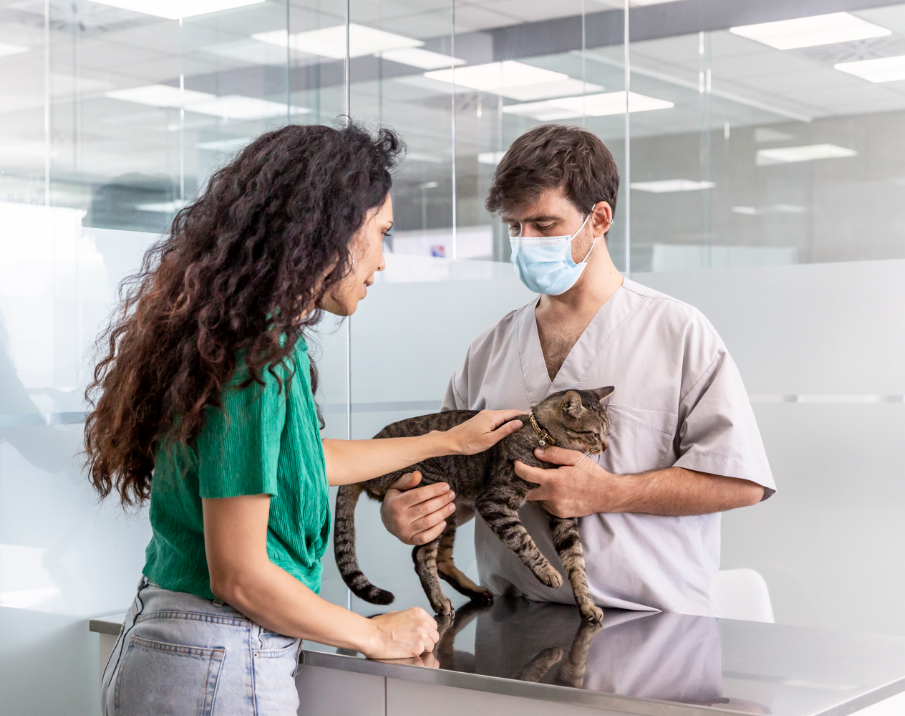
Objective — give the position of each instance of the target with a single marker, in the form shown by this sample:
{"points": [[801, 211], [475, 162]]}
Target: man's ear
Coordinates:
{"points": [[571, 404], [603, 393]]}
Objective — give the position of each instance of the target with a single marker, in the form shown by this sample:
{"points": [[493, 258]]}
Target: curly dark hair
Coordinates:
{"points": [[241, 271]]}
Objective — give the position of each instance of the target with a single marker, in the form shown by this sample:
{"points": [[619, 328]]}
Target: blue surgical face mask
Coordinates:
{"points": [[544, 263]]}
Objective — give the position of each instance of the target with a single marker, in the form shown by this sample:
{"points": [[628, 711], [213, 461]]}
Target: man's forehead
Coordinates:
{"points": [[551, 204]]}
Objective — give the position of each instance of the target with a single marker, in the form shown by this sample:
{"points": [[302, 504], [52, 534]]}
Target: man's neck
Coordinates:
{"points": [[598, 282]]}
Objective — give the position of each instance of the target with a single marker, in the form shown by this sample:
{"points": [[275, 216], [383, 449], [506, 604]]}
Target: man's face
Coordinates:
{"points": [[552, 215]]}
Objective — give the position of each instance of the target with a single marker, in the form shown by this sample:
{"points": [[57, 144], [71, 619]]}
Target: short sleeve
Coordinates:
{"points": [[239, 446], [718, 433], [458, 386]]}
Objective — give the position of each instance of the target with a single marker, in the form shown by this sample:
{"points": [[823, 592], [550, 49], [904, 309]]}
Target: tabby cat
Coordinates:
{"points": [[487, 483]]}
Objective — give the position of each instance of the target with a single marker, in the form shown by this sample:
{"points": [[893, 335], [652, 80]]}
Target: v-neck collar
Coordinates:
{"points": [[583, 355]]}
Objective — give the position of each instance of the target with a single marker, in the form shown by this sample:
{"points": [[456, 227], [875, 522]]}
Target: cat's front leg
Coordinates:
{"points": [[567, 542], [499, 507]]}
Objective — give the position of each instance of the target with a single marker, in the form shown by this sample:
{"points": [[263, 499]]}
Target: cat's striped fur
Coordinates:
{"points": [[487, 483]]}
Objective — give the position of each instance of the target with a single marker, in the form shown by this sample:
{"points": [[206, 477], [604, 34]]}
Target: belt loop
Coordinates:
{"points": [[217, 602]]}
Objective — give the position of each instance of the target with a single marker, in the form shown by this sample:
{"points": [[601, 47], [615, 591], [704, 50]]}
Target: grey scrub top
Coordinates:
{"points": [[679, 401]]}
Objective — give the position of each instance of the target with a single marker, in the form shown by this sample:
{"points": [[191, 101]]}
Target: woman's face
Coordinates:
{"points": [[367, 251]]}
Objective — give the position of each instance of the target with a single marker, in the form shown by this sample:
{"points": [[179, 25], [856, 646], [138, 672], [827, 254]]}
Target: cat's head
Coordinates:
{"points": [[576, 419]]}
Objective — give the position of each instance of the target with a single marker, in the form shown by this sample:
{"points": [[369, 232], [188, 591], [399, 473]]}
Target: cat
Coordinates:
{"points": [[487, 483]]}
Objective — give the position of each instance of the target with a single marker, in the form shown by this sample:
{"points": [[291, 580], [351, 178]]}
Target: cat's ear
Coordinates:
{"points": [[602, 393], [571, 404]]}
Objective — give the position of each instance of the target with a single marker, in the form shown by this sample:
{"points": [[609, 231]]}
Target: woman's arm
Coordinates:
{"points": [[235, 540], [358, 460]]}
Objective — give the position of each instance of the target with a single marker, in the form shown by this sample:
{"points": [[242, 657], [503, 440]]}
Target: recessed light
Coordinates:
{"points": [[422, 157], [491, 158], [243, 108], [331, 41], [884, 69], [811, 31], [545, 90], [160, 96], [177, 9], [229, 107], [806, 153], [163, 207], [225, 145], [668, 186], [425, 59], [497, 77], [7, 49], [592, 105]]}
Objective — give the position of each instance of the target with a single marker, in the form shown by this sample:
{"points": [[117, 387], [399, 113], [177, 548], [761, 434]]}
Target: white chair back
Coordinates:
{"points": [[743, 594]]}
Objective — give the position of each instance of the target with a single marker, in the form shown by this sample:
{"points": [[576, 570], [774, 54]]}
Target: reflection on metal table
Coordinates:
{"points": [[524, 657]]}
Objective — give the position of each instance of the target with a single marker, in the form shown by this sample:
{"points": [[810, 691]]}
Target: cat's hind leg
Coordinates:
{"points": [[567, 542], [425, 558], [499, 508], [449, 572]]}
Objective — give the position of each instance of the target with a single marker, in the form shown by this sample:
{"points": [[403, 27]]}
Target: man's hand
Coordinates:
{"points": [[572, 490], [416, 515], [580, 487]]}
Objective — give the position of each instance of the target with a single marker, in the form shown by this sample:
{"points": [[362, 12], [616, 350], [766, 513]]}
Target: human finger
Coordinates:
{"points": [[434, 517], [407, 481], [499, 417], [428, 535], [537, 475], [557, 455], [421, 494]]}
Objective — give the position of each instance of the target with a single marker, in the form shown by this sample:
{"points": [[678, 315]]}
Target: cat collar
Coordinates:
{"points": [[544, 437]]}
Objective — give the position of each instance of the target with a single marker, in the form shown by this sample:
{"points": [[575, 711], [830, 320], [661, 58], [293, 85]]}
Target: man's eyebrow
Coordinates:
{"points": [[530, 219]]}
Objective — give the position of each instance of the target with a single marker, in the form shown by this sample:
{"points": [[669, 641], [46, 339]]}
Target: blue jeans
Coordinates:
{"points": [[182, 655]]}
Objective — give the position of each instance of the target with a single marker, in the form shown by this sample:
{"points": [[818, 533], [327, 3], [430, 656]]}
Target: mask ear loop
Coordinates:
{"points": [[588, 255]]}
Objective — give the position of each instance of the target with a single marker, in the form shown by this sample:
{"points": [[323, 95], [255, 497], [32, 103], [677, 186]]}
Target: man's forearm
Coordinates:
{"points": [[675, 491]]}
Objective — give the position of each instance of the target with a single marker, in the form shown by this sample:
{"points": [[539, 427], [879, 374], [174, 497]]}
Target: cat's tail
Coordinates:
{"points": [[344, 548]]}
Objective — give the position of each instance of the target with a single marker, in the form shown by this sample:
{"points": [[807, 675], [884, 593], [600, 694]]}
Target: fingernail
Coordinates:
{"points": [[452, 495], [451, 507]]}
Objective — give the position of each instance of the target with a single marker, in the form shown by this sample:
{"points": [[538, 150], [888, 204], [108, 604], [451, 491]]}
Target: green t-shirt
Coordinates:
{"points": [[269, 442]]}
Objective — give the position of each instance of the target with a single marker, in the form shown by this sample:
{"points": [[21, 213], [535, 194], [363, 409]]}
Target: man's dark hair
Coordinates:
{"points": [[553, 156]]}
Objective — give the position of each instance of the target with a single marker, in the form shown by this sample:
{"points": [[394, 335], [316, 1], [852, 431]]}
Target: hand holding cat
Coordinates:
{"points": [[483, 431], [579, 487]]}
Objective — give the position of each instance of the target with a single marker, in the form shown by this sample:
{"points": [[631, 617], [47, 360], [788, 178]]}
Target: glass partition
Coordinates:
{"points": [[747, 149]]}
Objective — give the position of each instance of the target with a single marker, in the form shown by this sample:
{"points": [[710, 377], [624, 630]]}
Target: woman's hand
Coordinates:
{"points": [[483, 431], [402, 635]]}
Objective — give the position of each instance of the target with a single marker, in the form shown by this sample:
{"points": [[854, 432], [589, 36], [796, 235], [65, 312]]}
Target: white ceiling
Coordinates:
{"points": [[96, 136]]}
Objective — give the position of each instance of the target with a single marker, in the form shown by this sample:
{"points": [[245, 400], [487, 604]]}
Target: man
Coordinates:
{"points": [[684, 445]]}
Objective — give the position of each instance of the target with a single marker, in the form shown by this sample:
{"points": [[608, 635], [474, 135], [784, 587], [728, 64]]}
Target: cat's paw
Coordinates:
{"points": [[444, 606], [549, 576], [591, 613], [482, 595]]}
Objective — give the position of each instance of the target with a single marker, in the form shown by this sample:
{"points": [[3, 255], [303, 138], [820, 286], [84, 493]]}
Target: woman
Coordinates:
{"points": [[207, 386]]}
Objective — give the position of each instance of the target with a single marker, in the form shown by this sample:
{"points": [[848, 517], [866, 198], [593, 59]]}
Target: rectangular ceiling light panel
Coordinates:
{"points": [[6, 49], [497, 76], [234, 107], [806, 153], [884, 69], [177, 9], [592, 105], [811, 31], [668, 186], [331, 41], [160, 96], [425, 59]]}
